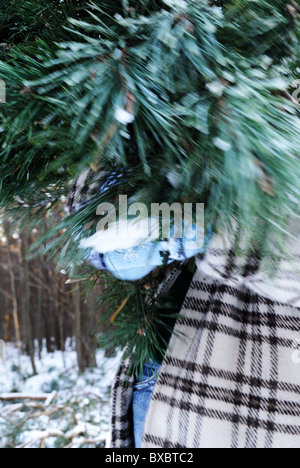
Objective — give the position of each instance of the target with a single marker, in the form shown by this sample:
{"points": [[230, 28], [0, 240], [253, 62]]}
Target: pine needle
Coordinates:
{"points": [[113, 318]]}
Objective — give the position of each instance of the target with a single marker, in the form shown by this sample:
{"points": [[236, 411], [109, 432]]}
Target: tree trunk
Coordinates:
{"points": [[26, 302], [39, 313], [14, 298], [2, 314], [88, 344], [58, 315], [78, 329], [85, 345]]}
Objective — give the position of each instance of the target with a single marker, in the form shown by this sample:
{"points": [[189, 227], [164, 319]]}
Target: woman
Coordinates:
{"points": [[230, 376], [234, 381]]}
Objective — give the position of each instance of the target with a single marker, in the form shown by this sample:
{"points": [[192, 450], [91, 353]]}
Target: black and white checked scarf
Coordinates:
{"points": [[234, 381]]}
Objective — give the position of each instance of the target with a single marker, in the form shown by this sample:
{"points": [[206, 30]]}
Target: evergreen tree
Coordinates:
{"points": [[205, 88]]}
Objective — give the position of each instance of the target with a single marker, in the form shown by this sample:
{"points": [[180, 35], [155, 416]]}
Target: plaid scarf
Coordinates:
{"points": [[231, 376]]}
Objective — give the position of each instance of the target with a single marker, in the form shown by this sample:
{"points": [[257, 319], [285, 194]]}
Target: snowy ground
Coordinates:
{"points": [[79, 414]]}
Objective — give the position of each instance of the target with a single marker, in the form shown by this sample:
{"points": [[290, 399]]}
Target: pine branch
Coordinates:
{"points": [[205, 90]]}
